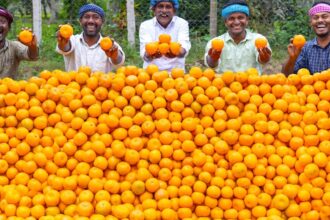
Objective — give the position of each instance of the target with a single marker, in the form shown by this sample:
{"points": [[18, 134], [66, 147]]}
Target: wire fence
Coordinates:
{"points": [[66, 11]]}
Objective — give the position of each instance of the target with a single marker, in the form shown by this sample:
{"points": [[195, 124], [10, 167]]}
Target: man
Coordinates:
{"points": [[239, 52], [84, 49], [165, 22], [12, 52], [315, 55]]}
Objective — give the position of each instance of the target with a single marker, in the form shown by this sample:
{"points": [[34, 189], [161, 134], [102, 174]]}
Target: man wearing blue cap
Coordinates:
{"points": [[84, 49], [239, 52], [12, 52], [165, 22]]}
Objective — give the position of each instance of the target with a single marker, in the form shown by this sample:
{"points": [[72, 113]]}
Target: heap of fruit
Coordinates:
{"points": [[163, 46], [138, 144]]}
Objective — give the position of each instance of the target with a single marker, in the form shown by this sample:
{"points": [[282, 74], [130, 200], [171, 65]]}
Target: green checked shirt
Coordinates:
{"points": [[237, 57]]}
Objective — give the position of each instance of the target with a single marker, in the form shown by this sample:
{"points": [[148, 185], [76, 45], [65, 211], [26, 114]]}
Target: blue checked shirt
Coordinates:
{"points": [[313, 57]]}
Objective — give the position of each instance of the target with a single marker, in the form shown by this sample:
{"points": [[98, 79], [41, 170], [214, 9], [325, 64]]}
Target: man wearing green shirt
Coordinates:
{"points": [[239, 52]]}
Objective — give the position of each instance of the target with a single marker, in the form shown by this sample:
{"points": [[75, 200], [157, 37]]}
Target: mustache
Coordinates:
{"points": [[163, 13]]}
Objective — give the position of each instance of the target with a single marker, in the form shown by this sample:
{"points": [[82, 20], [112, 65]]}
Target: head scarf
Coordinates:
{"points": [[175, 3], [93, 8], [5, 13], [321, 7], [235, 6]]}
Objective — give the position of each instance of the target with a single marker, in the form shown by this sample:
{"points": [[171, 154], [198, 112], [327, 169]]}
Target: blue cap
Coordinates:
{"points": [[93, 8], [235, 8], [175, 3]]}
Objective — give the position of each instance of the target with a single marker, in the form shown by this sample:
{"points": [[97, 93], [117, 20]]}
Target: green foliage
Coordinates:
{"points": [[295, 24], [71, 8]]}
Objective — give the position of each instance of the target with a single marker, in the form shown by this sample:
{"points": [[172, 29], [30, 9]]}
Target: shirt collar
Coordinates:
{"points": [[314, 43], [5, 47], [82, 40], [155, 22], [248, 36]]}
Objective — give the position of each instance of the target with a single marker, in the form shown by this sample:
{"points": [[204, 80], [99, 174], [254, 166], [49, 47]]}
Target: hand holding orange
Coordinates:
{"points": [[299, 41], [66, 31], [106, 43], [25, 36], [217, 44], [261, 42]]}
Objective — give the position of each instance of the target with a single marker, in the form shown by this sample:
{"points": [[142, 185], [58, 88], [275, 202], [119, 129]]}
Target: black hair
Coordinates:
{"points": [[234, 2]]}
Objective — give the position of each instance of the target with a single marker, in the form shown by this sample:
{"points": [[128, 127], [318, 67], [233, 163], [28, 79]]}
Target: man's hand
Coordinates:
{"points": [[214, 54], [148, 57], [63, 43], [292, 50], [264, 54]]}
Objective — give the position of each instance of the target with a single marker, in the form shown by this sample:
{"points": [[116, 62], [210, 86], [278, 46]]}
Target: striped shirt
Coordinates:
{"points": [[237, 57], [313, 57], [10, 56]]}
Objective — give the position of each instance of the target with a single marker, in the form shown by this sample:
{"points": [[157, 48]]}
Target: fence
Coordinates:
{"points": [[279, 20], [55, 12]]}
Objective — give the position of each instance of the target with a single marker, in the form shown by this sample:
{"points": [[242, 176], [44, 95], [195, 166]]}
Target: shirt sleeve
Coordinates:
{"points": [[123, 59], [301, 61], [22, 51], [183, 37], [145, 37]]}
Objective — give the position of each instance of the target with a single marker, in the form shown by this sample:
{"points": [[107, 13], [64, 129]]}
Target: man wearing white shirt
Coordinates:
{"points": [[84, 49], [165, 22]]}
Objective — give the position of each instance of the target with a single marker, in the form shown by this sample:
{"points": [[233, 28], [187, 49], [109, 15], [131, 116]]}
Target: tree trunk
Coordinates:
{"points": [[213, 18], [130, 22], [37, 20], [53, 8]]}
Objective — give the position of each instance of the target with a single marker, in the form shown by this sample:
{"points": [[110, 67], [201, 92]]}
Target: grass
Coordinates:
{"points": [[49, 59]]}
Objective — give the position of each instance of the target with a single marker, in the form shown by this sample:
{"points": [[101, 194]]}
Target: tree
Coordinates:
{"points": [[213, 18], [130, 22]]}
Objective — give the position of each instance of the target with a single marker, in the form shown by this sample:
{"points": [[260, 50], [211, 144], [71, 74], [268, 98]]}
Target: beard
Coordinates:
{"points": [[91, 32]]}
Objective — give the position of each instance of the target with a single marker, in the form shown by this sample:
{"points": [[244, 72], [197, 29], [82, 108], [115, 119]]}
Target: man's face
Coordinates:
{"points": [[164, 12], [4, 28], [91, 23], [236, 23], [321, 24]]}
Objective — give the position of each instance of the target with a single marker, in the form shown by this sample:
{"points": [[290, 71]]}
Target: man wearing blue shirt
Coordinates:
{"points": [[315, 55]]}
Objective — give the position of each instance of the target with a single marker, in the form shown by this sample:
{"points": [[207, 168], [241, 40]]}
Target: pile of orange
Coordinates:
{"points": [[138, 144], [163, 46]]}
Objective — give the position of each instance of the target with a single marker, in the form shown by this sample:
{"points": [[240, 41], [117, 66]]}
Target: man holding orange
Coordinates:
{"points": [[239, 51], [315, 54], [165, 23], [12, 52], [84, 49]]}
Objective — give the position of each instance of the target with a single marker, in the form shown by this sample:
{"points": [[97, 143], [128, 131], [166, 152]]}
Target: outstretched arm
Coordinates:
{"points": [[288, 66]]}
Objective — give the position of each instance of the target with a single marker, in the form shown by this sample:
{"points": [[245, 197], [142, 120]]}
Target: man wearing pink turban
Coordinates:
{"points": [[12, 52], [315, 55]]}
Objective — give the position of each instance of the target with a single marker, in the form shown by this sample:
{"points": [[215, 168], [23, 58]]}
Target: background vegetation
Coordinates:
{"points": [[278, 20]]}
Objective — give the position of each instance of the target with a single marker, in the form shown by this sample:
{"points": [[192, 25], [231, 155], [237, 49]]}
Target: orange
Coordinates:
{"points": [[164, 38], [175, 48], [106, 43], [261, 42], [299, 41], [164, 48], [217, 44], [25, 36], [151, 48], [66, 31]]}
